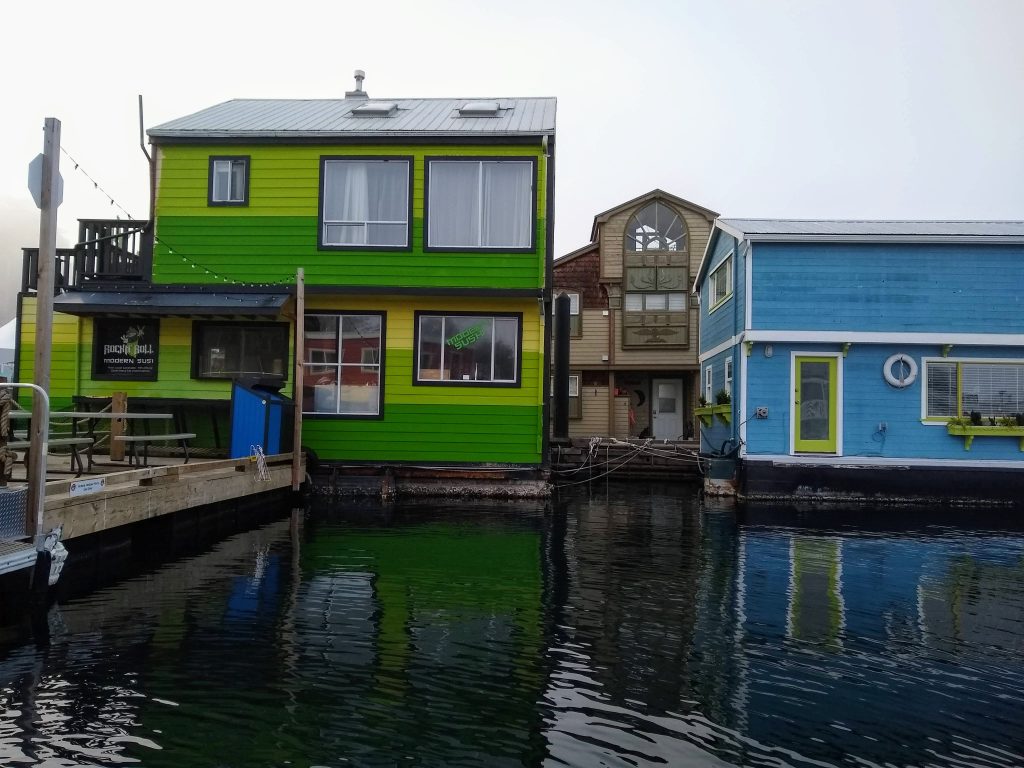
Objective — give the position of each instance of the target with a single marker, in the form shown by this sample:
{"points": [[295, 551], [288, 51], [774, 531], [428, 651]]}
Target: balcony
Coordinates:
{"points": [[110, 253]]}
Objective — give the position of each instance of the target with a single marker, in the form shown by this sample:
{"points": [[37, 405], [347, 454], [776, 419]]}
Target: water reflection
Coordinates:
{"points": [[630, 627]]}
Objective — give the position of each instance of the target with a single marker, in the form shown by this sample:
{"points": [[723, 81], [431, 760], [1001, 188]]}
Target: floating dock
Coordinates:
{"points": [[100, 501]]}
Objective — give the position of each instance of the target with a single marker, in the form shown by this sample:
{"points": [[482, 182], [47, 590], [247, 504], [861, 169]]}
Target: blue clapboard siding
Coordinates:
{"points": [[718, 432], [867, 401], [884, 287], [725, 320]]}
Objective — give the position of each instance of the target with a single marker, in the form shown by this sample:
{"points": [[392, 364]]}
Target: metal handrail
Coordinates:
{"points": [[40, 471]]}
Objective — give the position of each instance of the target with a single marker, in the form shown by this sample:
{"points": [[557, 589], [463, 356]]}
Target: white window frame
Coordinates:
{"points": [[728, 376], [217, 164], [432, 201], [321, 366], [325, 222], [715, 300], [708, 388]]}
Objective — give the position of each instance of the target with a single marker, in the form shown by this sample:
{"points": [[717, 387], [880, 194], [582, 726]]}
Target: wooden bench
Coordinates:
{"points": [[145, 440], [74, 443]]}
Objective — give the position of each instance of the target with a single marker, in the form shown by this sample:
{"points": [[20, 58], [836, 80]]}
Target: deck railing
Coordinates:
{"points": [[108, 251]]}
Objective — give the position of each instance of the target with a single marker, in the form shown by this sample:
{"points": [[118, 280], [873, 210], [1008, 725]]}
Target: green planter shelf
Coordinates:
{"points": [[708, 412], [969, 433]]}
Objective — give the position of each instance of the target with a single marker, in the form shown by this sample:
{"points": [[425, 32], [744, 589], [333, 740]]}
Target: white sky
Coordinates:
{"points": [[813, 109]]}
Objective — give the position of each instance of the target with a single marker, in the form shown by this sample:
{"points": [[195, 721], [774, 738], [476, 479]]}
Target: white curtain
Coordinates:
{"points": [[507, 197], [366, 202], [454, 204]]}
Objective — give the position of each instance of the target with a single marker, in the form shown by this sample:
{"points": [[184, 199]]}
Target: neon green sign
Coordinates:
{"points": [[464, 338]]}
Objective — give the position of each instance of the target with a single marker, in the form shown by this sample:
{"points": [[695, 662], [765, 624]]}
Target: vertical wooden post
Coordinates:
{"points": [[118, 404], [44, 316], [300, 354]]}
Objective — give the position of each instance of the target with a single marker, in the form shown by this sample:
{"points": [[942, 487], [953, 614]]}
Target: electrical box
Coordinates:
{"points": [[761, 412]]}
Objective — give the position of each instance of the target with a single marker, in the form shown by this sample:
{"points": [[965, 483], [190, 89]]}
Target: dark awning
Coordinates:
{"points": [[168, 303]]}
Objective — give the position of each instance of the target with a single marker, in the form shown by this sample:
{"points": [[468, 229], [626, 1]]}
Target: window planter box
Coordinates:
{"points": [[708, 412], [969, 433]]}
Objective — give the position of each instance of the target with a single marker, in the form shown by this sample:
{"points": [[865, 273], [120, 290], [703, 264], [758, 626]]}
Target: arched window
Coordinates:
{"points": [[655, 227]]}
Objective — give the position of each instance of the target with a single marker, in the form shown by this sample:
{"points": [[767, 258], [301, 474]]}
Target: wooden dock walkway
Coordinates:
{"points": [[113, 495]]}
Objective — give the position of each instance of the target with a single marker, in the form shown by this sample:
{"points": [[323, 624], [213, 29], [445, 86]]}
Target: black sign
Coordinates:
{"points": [[125, 349]]}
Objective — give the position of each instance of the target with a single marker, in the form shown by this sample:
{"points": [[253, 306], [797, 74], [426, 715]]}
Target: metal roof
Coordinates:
{"points": [[324, 118], [139, 303], [769, 229], [862, 231]]}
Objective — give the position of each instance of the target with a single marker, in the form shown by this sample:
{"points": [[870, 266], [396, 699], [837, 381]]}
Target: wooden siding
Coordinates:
{"points": [[277, 231], [71, 364], [438, 423], [674, 358], [591, 345], [867, 401], [903, 287], [612, 233], [420, 423], [727, 319], [594, 423]]}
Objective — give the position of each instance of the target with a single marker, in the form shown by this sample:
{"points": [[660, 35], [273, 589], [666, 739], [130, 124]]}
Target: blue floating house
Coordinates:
{"points": [[865, 359]]}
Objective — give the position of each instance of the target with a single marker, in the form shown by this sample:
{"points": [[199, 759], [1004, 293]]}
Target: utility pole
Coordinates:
{"points": [[50, 196]]}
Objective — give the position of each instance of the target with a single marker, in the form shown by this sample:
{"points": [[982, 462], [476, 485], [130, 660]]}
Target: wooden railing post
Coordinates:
{"points": [[118, 404]]}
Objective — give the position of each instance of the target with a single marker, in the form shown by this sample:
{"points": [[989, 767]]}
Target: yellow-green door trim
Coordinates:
{"points": [[832, 444]]}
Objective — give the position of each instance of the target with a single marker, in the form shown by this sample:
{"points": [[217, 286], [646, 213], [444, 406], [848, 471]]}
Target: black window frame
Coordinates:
{"points": [[246, 160], [383, 315], [199, 326], [321, 246], [428, 159], [416, 382]]}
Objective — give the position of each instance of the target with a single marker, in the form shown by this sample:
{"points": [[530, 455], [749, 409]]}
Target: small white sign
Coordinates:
{"points": [[92, 485], [35, 183]]}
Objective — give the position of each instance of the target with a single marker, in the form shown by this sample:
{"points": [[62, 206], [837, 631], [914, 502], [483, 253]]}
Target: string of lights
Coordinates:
{"points": [[96, 185], [217, 276], [284, 281]]}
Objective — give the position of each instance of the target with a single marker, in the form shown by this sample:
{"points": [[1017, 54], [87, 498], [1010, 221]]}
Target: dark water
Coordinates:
{"points": [[628, 628]]}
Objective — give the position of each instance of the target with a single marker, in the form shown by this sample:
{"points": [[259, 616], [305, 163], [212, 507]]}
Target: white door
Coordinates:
{"points": [[667, 409]]}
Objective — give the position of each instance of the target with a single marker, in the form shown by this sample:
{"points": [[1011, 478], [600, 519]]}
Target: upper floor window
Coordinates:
{"points": [[720, 283], [477, 349], [365, 202], [480, 203], [575, 325], [655, 227], [229, 181]]}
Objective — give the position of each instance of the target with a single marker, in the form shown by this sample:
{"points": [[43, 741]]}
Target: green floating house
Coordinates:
{"points": [[423, 227]]}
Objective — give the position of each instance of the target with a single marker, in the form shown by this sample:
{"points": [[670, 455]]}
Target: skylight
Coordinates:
{"points": [[479, 109], [376, 109]]}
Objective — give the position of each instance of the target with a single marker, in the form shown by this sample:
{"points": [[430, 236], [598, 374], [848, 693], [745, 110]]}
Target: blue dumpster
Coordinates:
{"points": [[260, 415]]}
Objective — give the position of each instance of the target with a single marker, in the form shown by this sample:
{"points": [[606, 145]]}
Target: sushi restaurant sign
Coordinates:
{"points": [[125, 350]]}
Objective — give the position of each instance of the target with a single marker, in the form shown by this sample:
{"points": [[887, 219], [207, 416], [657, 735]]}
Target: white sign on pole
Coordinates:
{"points": [[35, 183]]}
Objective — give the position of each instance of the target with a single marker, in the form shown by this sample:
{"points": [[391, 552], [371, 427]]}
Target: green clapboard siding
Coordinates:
{"points": [[438, 433], [268, 239]]}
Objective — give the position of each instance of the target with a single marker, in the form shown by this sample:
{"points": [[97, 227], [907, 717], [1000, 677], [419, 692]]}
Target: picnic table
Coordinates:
{"points": [[92, 418]]}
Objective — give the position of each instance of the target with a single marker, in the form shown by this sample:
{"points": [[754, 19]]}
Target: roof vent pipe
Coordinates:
{"points": [[358, 93]]}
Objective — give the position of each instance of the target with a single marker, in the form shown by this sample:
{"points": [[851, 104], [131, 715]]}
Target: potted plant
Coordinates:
{"points": [[722, 397]]}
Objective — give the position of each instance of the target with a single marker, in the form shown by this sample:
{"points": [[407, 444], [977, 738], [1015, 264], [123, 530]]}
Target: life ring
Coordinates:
{"points": [[906, 368]]}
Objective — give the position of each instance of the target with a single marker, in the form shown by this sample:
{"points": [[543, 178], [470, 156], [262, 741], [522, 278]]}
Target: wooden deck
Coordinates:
{"points": [[115, 495]]}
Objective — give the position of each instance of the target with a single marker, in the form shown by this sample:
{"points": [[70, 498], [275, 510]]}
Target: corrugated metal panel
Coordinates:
{"points": [[326, 117], [896, 228]]}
